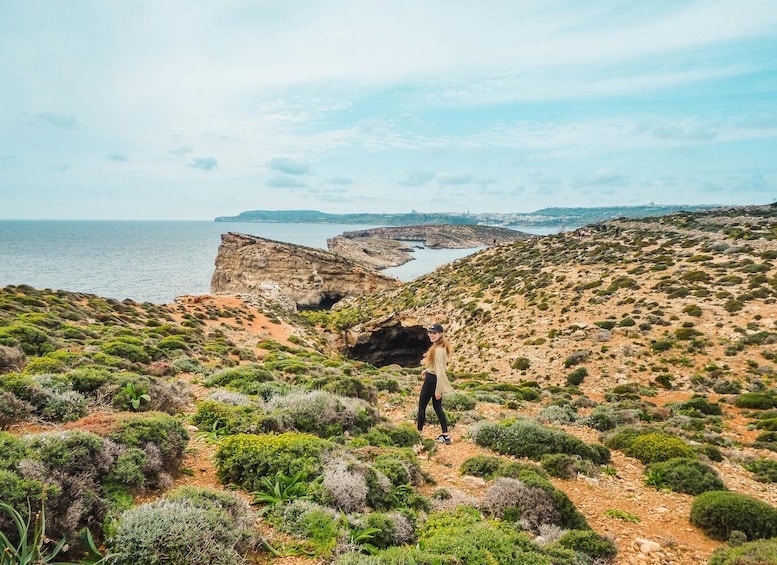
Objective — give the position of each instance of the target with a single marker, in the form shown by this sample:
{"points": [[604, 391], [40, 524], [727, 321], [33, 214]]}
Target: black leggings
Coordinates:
{"points": [[427, 394]]}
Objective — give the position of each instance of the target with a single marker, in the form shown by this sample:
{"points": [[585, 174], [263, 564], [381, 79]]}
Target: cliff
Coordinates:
{"points": [[448, 236], [311, 277], [373, 252]]}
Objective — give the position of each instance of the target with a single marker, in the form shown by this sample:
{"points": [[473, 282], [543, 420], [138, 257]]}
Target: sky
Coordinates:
{"points": [[188, 110]]}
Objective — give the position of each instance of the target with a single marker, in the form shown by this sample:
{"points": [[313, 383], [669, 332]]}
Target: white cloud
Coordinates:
{"points": [[204, 163], [285, 182], [288, 166]]}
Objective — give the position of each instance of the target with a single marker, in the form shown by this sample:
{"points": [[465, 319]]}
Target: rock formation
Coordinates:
{"points": [[313, 278], [373, 252], [12, 359], [439, 236]]}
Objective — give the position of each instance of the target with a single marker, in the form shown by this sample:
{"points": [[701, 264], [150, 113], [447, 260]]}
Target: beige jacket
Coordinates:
{"points": [[438, 368]]}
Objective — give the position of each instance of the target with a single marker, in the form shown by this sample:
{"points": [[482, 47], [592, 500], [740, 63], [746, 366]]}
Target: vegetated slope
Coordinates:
{"points": [[683, 301]]}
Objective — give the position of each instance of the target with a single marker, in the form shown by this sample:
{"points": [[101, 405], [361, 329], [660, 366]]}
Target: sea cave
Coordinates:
{"points": [[390, 345]]}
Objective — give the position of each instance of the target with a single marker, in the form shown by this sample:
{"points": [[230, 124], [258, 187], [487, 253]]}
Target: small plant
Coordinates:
{"points": [[135, 395], [283, 489], [30, 549], [622, 515]]}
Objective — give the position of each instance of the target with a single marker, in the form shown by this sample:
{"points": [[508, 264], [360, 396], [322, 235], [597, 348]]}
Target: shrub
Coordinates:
{"points": [[244, 459], [590, 543], [533, 500], [756, 400], [463, 534], [459, 401], [163, 431], [699, 404], [576, 377], [565, 466], [660, 345], [688, 476], [692, 310], [521, 364], [718, 513], [193, 526], [403, 435], [577, 357], [751, 553], [244, 378], [12, 409], [322, 413], [764, 470], [656, 447], [524, 438]]}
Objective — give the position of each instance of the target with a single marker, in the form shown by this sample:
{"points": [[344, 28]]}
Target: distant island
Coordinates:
{"points": [[568, 218]]}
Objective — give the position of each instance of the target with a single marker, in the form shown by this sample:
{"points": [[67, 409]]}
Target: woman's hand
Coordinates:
{"points": [[438, 395], [423, 373]]}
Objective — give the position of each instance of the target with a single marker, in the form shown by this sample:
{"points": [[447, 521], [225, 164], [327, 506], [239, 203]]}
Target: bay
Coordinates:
{"points": [[152, 261]]}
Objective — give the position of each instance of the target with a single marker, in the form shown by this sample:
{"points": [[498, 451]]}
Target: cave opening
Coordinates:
{"points": [[328, 299], [389, 345]]}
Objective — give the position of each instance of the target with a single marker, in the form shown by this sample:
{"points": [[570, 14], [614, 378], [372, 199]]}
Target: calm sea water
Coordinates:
{"points": [[151, 261]]}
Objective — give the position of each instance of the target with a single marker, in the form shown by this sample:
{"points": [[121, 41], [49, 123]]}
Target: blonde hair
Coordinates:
{"points": [[441, 342]]}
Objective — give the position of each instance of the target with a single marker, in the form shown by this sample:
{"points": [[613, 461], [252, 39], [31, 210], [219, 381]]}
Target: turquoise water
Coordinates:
{"points": [[152, 261]]}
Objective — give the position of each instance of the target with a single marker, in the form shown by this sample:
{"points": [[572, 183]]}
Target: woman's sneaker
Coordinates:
{"points": [[444, 438]]}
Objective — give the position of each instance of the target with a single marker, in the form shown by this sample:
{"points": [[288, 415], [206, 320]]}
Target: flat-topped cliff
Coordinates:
{"points": [[311, 277], [439, 236]]}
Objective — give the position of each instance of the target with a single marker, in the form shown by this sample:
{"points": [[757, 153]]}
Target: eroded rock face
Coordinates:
{"points": [[312, 278], [389, 344], [439, 236], [374, 252]]}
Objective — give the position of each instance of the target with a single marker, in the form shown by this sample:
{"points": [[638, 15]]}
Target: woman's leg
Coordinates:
{"points": [[427, 393], [437, 405]]}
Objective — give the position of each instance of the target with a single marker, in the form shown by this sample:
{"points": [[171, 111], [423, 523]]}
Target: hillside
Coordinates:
{"points": [[583, 363]]}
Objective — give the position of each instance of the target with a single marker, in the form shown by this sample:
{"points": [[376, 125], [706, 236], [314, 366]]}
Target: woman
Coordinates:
{"points": [[435, 381]]}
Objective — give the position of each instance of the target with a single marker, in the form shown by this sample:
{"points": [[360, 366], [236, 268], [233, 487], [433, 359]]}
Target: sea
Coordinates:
{"points": [[154, 261]]}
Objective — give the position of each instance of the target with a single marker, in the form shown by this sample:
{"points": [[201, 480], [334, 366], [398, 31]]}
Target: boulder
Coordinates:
{"points": [[12, 359]]}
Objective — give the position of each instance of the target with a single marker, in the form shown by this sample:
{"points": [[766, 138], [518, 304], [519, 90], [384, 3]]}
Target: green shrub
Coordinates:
{"points": [[193, 526], [660, 345], [700, 405], [161, 430], [686, 334], [460, 401], [688, 476], [524, 438], [576, 377], [692, 310], [759, 552], [605, 324], [129, 351], [756, 400], [657, 447], [244, 459], [521, 364], [87, 380], [718, 513], [590, 543], [244, 378], [463, 534], [563, 466], [764, 470]]}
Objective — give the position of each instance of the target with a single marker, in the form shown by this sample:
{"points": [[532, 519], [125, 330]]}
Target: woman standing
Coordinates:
{"points": [[435, 381]]}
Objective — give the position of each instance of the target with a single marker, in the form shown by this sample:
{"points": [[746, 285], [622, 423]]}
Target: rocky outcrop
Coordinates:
{"points": [[439, 236], [12, 359], [373, 252], [312, 278]]}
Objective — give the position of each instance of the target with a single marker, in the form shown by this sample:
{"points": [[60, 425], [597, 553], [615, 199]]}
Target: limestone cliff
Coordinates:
{"points": [[313, 278], [374, 252], [438, 236]]}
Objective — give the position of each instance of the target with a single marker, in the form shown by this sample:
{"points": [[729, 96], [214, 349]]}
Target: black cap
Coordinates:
{"points": [[436, 328]]}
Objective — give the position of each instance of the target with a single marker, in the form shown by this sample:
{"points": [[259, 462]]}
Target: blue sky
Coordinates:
{"points": [[194, 109]]}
